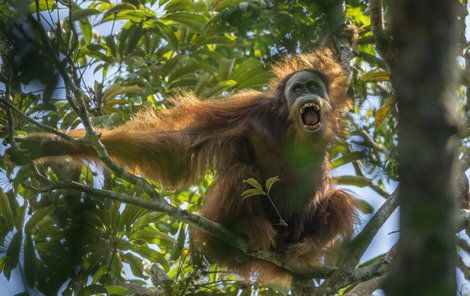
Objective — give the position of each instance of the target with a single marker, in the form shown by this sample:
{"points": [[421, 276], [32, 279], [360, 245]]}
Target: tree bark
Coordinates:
{"points": [[424, 77]]}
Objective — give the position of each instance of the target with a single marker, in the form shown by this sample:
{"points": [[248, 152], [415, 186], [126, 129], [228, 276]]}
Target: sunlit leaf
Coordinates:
{"points": [[359, 181], [384, 110], [253, 182], [178, 5], [5, 210], [116, 90], [117, 290], [357, 15], [225, 68], [270, 182], [41, 5], [192, 21], [78, 14], [347, 158], [364, 206], [375, 76], [86, 31], [219, 87], [252, 192], [177, 249]]}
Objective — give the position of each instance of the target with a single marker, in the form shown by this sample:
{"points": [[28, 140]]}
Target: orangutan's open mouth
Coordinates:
{"points": [[310, 116]]}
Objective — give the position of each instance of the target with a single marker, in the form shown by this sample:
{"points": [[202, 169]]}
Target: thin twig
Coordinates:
{"points": [[40, 125]]}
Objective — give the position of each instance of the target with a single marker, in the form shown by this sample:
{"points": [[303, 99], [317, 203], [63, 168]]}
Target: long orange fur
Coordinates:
{"points": [[177, 147]]}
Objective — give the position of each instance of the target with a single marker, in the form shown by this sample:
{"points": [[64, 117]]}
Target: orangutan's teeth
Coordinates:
{"points": [[307, 105], [312, 127]]}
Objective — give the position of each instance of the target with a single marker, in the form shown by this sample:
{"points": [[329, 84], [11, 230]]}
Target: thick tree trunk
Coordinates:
{"points": [[424, 75]]}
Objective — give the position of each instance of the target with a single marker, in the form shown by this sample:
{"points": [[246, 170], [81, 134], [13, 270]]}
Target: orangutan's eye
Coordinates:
{"points": [[312, 87], [297, 89]]}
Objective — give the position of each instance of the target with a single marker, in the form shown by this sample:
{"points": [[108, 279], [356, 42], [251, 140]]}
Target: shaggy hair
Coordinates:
{"points": [[246, 135]]}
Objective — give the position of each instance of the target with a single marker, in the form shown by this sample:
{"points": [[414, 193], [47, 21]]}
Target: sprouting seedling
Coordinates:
{"points": [[257, 189]]}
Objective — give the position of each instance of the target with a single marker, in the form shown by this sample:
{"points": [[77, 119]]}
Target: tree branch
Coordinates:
{"points": [[356, 248], [382, 39], [359, 244], [200, 222], [342, 279], [367, 287]]}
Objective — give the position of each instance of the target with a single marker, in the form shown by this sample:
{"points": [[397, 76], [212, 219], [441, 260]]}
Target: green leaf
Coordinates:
{"points": [[135, 263], [3, 260], [111, 13], [164, 31], [384, 110], [13, 253], [221, 5], [146, 219], [183, 71], [250, 73], [117, 290], [220, 87], [135, 34], [117, 89], [151, 235], [42, 5], [358, 181], [252, 192], [68, 120], [111, 43], [19, 216], [86, 31], [254, 183], [201, 83], [225, 68], [78, 14], [270, 182], [357, 15], [92, 290], [347, 158], [5, 210], [179, 5], [183, 83], [151, 255], [170, 64], [192, 21], [375, 76], [99, 273], [177, 249], [37, 216], [364, 206], [29, 262]]}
